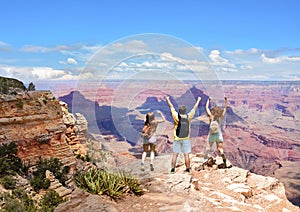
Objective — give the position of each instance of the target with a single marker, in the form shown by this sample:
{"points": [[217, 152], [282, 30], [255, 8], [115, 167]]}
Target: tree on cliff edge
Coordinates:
{"points": [[31, 87], [10, 163]]}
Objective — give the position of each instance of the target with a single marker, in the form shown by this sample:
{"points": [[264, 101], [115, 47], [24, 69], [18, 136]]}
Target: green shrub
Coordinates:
{"points": [[53, 165], [50, 201], [132, 185], [10, 163], [18, 201], [25, 167], [25, 200], [39, 182], [114, 185], [85, 158], [8, 182], [14, 205], [5, 89]]}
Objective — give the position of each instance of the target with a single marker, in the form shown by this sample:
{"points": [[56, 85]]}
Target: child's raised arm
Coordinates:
{"points": [[163, 119], [206, 107], [226, 105]]}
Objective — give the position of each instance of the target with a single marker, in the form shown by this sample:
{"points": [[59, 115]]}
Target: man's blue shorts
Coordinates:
{"points": [[183, 146]]}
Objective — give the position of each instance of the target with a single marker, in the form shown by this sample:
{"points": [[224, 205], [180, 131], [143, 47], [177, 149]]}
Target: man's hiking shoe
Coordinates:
{"points": [[142, 167], [151, 167], [172, 170], [187, 170]]}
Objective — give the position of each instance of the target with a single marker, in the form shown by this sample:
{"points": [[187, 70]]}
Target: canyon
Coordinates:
{"points": [[261, 127]]}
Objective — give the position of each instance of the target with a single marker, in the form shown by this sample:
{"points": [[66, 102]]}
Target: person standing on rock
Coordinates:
{"points": [[216, 115], [182, 133], [149, 137]]}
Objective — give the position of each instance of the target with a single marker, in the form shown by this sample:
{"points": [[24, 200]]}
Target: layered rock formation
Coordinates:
{"points": [[76, 130], [34, 121], [40, 125], [55, 185]]}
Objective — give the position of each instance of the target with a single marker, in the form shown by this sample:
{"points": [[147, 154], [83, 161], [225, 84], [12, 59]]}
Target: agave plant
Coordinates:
{"points": [[111, 184]]}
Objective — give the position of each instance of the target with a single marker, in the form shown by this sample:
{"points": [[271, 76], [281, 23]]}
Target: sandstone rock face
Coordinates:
{"points": [[34, 121]]}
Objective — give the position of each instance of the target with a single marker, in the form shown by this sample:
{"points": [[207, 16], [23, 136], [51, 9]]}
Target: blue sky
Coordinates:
{"points": [[255, 40]]}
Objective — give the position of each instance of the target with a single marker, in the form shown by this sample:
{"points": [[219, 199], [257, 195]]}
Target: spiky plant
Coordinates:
{"points": [[114, 185]]}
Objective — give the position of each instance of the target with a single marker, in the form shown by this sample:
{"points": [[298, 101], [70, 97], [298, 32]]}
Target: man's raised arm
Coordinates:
{"points": [[169, 102], [197, 103]]}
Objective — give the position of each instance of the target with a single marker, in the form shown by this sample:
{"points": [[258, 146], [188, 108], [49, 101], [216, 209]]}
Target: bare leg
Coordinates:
{"points": [[187, 161], [174, 158], [144, 155], [152, 153], [208, 148], [220, 149]]}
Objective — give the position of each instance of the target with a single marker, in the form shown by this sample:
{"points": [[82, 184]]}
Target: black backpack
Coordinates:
{"points": [[183, 127]]}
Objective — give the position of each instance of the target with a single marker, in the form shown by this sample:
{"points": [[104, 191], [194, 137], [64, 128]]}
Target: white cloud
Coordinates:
{"points": [[250, 51], [163, 65], [36, 73], [131, 57], [72, 61], [200, 49], [131, 46], [220, 63], [46, 73], [281, 59]]}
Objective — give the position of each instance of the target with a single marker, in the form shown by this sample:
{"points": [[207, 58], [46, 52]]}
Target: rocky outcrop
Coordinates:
{"points": [[33, 120], [55, 185], [11, 86], [76, 130], [207, 189], [83, 201]]}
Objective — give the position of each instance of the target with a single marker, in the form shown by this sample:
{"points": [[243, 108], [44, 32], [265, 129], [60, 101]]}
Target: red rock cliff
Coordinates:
{"points": [[34, 121]]}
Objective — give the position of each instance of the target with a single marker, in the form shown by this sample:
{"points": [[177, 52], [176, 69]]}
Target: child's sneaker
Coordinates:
{"points": [[223, 157], [151, 167], [142, 167]]}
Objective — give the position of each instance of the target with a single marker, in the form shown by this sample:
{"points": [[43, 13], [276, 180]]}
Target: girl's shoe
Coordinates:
{"points": [[151, 167], [142, 167]]}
